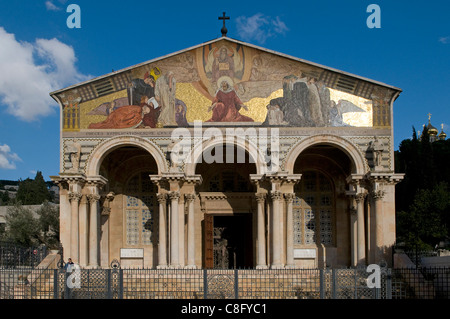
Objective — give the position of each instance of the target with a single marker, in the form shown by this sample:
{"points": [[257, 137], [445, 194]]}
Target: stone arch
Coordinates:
{"points": [[102, 150], [359, 165], [196, 153]]}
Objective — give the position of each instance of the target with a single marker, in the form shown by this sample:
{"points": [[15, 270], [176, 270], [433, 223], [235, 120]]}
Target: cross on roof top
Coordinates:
{"points": [[224, 28]]}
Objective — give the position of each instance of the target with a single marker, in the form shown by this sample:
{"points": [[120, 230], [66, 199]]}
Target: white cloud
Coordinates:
{"points": [[30, 71], [444, 40], [8, 158], [52, 7], [259, 27]]}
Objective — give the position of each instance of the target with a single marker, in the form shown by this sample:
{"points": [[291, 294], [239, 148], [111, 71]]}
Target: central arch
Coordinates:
{"points": [[196, 154], [228, 208]]}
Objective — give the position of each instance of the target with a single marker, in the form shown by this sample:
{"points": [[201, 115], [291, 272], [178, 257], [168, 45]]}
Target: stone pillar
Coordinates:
{"points": [[174, 249], [74, 198], [361, 241], [379, 243], [84, 231], [353, 234], [93, 229], [262, 260], [289, 197], [162, 247], [191, 232], [276, 241]]}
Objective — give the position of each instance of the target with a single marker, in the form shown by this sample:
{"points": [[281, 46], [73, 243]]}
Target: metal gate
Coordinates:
{"points": [[221, 284], [90, 284]]}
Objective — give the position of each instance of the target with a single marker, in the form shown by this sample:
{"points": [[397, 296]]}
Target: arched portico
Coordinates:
{"points": [[359, 164], [102, 150], [329, 205]]}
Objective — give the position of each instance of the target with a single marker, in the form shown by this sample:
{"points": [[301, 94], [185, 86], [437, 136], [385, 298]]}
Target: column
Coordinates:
{"points": [[191, 232], [93, 229], [276, 241], [353, 234], [83, 229], [262, 261], [361, 242], [289, 197], [74, 198], [379, 243], [162, 248], [174, 258]]}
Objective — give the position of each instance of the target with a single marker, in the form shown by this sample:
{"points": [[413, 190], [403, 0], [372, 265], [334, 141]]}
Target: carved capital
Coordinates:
{"points": [[162, 197], [260, 197], [73, 196], [174, 195], [378, 195], [360, 197], [93, 198], [289, 197], [189, 197], [276, 195]]}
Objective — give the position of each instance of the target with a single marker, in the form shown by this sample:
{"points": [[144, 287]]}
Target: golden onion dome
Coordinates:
{"points": [[432, 130], [442, 135]]}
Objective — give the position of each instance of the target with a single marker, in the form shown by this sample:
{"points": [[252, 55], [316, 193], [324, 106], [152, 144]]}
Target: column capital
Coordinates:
{"points": [[174, 195], [378, 194], [260, 197], [93, 198], [162, 197], [74, 196], [289, 197], [190, 197], [360, 197], [275, 195]]}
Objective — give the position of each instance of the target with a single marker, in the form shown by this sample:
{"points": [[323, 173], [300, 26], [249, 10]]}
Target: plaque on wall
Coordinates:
{"points": [[131, 253], [304, 253]]}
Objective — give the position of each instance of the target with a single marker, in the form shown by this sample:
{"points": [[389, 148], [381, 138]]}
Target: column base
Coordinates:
{"points": [[162, 267], [175, 267], [191, 267], [289, 267], [262, 267], [279, 266], [92, 266]]}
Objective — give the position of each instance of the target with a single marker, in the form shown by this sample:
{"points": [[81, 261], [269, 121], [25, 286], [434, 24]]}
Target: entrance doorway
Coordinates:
{"points": [[230, 246]]}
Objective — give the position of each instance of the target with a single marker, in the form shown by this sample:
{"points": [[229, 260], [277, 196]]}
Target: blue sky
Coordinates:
{"points": [[40, 54]]}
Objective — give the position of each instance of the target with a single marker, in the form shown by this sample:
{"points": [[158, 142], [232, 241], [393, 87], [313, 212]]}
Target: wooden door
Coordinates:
{"points": [[208, 233]]}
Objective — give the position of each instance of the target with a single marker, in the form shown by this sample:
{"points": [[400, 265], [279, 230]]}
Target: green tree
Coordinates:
{"points": [[426, 222], [22, 227], [4, 198], [33, 192], [49, 225]]}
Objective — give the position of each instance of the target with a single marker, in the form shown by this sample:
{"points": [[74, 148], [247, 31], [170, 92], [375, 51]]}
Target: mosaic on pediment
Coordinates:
{"points": [[224, 83]]}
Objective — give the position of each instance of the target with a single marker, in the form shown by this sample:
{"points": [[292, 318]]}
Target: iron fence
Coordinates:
{"points": [[117, 283], [13, 255]]}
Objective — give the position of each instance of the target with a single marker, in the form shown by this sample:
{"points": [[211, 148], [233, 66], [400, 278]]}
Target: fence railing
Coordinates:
{"points": [[433, 283], [13, 255]]}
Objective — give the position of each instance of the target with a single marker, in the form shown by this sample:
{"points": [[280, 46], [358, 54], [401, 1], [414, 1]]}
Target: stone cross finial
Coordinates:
{"points": [[224, 28]]}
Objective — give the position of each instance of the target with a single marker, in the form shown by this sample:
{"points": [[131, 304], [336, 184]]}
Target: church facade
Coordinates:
{"points": [[227, 155]]}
